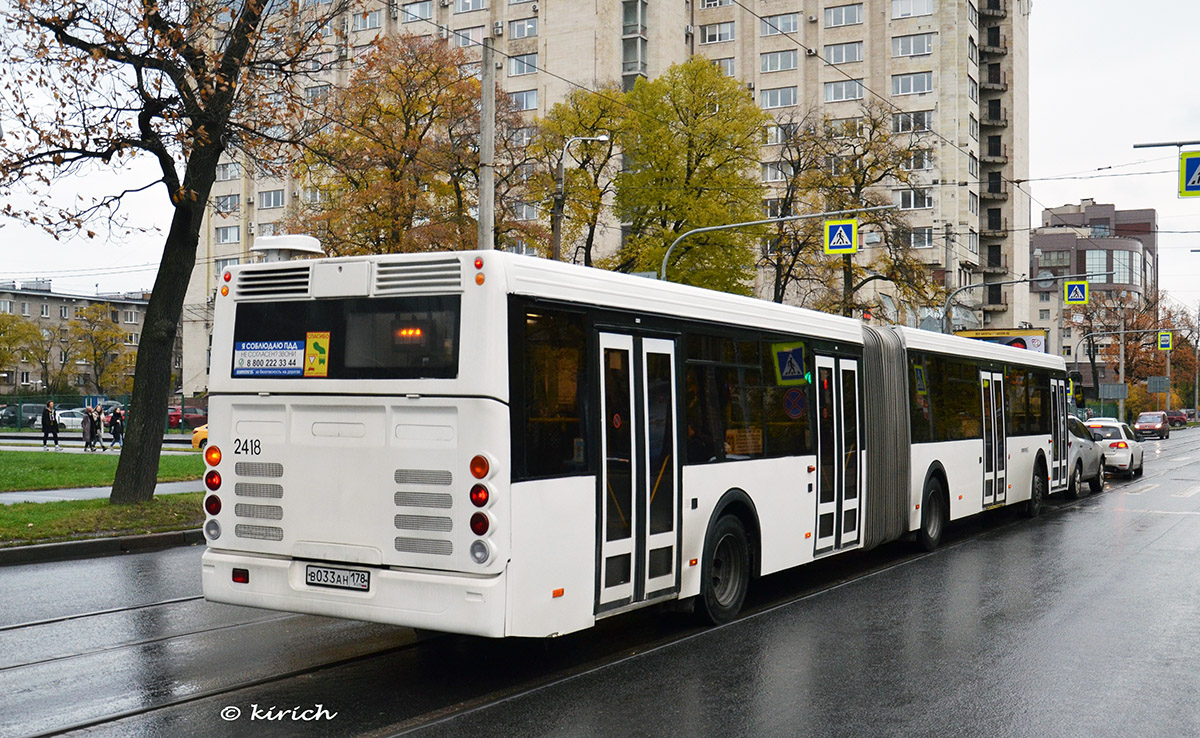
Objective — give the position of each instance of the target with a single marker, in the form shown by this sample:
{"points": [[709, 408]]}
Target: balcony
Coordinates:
{"points": [[995, 229], [994, 118], [991, 305], [995, 192], [994, 154], [995, 45], [994, 9], [996, 83]]}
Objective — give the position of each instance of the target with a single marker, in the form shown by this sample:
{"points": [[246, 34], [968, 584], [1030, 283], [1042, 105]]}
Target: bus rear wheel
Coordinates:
{"points": [[933, 515], [726, 571]]}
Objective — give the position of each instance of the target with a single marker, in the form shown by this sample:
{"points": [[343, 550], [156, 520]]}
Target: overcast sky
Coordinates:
{"points": [[1104, 75]]}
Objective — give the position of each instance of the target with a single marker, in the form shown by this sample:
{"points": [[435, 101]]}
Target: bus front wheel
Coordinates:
{"points": [[933, 515], [726, 571]]}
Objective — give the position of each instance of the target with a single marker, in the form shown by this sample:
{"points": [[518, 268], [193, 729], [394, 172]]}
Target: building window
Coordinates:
{"points": [[228, 203], [223, 264], [915, 199], [910, 8], [844, 127], [466, 6], [973, 241], [972, 50], [912, 84], [1051, 258], [228, 172], [844, 53], [921, 238], [843, 15], [131, 339], [973, 165], [24, 377], [525, 99], [268, 199], [918, 45], [972, 88], [776, 171], [1043, 297], [268, 229], [1121, 264], [522, 64], [45, 311], [773, 25], [131, 316], [6, 306], [850, 89], [777, 97], [523, 28], [63, 312], [1136, 269], [973, 14], [368, 20], [1097, 262], [778, 61], [920, 120], [416, 11], [716, 33], [918, 159], [973, 203], [524, 211], [1043, 315], [464, 37], [716, 3], [25, 309], [229, 234], [1066, 331], [973, 126], [727, 65]]}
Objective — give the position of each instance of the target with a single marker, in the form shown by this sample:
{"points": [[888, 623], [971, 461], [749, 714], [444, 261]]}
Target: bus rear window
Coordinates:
{"points": [[384, 338]]}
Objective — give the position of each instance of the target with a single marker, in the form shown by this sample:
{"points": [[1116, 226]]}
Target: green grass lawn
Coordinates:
{"points": [[45, 522], [26, 470]]}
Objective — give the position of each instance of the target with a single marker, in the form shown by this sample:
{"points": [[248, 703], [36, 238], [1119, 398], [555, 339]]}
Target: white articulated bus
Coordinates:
{"points": [[500, 445]]}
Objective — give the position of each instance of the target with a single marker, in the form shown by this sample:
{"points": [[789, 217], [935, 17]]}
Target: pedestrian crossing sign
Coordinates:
{"points": [[1075, 293], [1165, 339], [841, 236], [789, 364], [1189, 174]]}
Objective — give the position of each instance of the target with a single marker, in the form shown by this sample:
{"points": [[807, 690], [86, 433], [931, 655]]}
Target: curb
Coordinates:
{"points": [[43, 552]]}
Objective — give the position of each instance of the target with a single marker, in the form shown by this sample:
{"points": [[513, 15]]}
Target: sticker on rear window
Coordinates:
{"points": [[268, 359]]}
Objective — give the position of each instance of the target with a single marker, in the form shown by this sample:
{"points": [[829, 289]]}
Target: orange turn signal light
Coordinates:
{"points": [[212, 455]]}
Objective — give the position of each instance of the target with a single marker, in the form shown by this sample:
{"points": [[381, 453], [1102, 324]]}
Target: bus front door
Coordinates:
{"points": [[638, 486], [839, 467], [995, 447]]}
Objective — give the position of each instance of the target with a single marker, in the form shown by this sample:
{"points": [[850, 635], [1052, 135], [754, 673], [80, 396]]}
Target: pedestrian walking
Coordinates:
{"points": [[49, 425], [98, 428], [116, 426], [87, 427]]}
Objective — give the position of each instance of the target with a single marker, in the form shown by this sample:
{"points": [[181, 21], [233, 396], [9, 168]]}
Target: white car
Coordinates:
{"points": [[1122, 452], [70, 419], [1085, 459]]}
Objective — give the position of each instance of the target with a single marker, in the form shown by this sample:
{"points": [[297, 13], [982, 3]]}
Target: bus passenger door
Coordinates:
{"points": [[839, 467], [995, 446], [638, 486], [1058, 433]]}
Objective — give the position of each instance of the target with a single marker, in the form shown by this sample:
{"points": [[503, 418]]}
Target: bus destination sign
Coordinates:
{"points": [[268, 358]]}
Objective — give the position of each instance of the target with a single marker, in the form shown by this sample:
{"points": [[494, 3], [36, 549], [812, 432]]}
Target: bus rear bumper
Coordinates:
{"points": [[433, 601]]}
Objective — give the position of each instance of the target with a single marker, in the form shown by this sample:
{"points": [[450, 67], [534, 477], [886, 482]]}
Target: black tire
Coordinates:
{"points": [[1140, 468], [1075, 482], [726, 571], [1037, 494], [933, 515], [1096, 484], [203, 443]]}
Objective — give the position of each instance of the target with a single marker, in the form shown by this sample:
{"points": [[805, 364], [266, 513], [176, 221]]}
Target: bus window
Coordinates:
{"points": [[1018, 403], [551, 375], [920, 402]]}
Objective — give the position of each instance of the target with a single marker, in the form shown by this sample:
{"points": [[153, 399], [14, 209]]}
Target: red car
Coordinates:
{"points": [[190, 417], [1152, 423]]}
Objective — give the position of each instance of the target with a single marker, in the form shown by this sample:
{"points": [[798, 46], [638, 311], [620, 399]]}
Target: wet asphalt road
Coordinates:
{"points": [[1084, 622]]}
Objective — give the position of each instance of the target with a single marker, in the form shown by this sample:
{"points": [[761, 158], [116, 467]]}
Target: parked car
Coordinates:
{"points": [[200, 437], [1191, 414], [1122, 451], [1152, 424], [1177, 418], [27, 415], [69, 419], [1084, 459], [189, 417]]}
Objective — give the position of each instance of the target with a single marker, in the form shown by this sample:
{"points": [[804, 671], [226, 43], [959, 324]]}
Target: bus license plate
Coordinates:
{"points": [[329, 576]]}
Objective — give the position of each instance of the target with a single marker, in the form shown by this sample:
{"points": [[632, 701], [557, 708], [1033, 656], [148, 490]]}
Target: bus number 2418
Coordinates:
{"points": [[247, 446]]}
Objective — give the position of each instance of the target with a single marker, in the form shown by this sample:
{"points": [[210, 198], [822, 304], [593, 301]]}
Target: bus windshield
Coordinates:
{"points": [[358, 338]]}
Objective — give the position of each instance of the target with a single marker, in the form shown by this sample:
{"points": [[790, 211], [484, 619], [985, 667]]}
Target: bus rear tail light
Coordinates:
{"points": [[480, 466], [212, 455], [241, 576], [480, 524], [212, 480], [1118, 444], [212, 505], [479, 495]]}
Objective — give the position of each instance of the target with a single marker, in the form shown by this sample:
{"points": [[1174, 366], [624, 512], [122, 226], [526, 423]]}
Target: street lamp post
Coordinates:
{"points": [[556, 214]]}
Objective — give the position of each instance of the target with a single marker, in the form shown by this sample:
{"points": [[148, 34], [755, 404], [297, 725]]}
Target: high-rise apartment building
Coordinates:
{"points": [[957, 68]]}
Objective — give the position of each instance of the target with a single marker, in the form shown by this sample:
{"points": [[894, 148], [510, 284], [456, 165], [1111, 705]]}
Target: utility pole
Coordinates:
{"points": [[1121, 371], [487, 150], [1196, 344], [560, 196]]}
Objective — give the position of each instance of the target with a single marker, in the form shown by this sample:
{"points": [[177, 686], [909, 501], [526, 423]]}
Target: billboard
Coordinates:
{"points": [[1033, 339]]}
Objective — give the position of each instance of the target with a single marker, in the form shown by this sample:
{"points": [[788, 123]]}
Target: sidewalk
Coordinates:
{"points": [[76, 447], [92, 493]]}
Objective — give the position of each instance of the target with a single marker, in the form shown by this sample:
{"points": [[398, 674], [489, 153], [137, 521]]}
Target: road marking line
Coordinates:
{"points": [[1158, 512], [1141, 490], [1187, 493]]}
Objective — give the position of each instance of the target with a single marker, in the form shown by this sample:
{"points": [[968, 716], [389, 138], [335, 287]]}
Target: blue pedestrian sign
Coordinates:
{"points": [[841, 236], [1189, 174], [789, 364], [1165, 340], [1075, 293]]}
